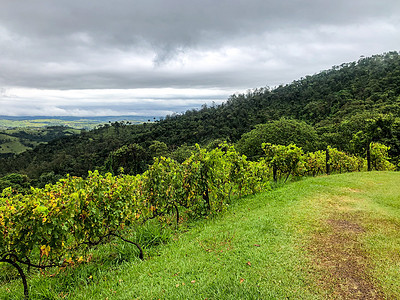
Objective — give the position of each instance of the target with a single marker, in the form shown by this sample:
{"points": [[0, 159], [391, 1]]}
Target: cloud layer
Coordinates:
{"points": [[157, 57]]}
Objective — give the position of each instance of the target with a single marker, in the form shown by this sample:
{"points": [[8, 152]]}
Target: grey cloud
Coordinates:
{"points": [[203, 44], [177, 23], [121, 103]]}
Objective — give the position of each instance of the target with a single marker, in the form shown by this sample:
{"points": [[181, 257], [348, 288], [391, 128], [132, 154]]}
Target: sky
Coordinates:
{"points": [[158, 57]]}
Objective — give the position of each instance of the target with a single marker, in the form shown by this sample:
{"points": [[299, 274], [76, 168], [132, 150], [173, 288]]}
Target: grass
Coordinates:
{"points": [[10, 144], [382, 239], [258, 249], [371, 201], [83, 123], [17, 140]]}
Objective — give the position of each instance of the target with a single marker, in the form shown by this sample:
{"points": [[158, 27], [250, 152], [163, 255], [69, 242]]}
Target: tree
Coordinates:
{"points": [[158, 149], [17, 182], [280, 132], [182, 153], [376, 129], [133, 159]]}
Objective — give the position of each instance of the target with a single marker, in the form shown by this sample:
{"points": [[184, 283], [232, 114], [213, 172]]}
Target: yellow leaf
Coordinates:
{"points": [[44, 250]]}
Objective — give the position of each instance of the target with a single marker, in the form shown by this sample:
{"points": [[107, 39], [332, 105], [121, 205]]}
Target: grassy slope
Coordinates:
{"points": [[78, 123], [259, 249], [12, 143]]}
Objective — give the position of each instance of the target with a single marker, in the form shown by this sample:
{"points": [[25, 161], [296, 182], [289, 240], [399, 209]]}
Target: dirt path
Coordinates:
{"points": [[340, 262]]}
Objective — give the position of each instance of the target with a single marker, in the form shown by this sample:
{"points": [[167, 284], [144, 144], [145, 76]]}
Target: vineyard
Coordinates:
{"points": [[56, 225]]}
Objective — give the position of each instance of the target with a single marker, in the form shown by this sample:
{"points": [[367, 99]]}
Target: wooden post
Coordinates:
{"points": [[369, 157], [328, 166]]}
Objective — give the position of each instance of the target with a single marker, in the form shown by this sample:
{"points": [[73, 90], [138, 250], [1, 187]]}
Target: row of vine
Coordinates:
{"points": [[53, 226]]}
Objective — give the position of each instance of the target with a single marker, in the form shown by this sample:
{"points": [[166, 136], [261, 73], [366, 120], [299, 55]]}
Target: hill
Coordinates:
{"points": [[17, 140], [9, 122], [329, 237], [347, 106], [19, 134]]}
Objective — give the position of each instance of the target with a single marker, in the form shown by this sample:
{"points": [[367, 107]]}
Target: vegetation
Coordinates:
{"points": [[263, 247], [18, 134], [15, 141], [153, 175], [7, 122], [49, 227], [280, 132], [346, 107]]}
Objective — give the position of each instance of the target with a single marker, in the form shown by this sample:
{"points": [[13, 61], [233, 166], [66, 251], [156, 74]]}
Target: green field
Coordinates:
{"points": [[19, 135], [17, 140], [41, 123], [328, 237], [83, 123], [10, 144]]}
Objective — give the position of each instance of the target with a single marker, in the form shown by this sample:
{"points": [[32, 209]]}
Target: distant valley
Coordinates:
{"points": [[7, 122], [18, 134]]}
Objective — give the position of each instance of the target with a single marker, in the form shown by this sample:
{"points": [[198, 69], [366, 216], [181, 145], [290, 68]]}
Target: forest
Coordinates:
{"points": [[346, 107]]}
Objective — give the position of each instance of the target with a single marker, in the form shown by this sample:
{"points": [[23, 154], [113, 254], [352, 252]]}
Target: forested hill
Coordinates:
{"points": [[351, 92], [338, 103]]}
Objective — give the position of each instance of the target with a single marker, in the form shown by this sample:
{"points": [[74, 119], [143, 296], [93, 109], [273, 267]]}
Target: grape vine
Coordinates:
{"points": [[54, 225]]}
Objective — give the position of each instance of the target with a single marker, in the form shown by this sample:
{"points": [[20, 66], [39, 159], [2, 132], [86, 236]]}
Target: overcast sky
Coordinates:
{"points": [[156, 57]]}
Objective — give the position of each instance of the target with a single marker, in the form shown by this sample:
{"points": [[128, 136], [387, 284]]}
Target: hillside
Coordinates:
{"points": [[359, 97], [290, 242], [19, 134], [17, 140], [7, 122]]}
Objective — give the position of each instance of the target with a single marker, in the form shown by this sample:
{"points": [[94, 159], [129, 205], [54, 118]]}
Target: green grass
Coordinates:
{"points": [[372, 200], [15, 141], [78, 123], [10, 144], [382, 221], [258, 249]]}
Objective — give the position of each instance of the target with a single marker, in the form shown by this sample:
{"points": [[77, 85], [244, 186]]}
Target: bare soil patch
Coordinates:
{"points": [[353, 190], [341, 263]]}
